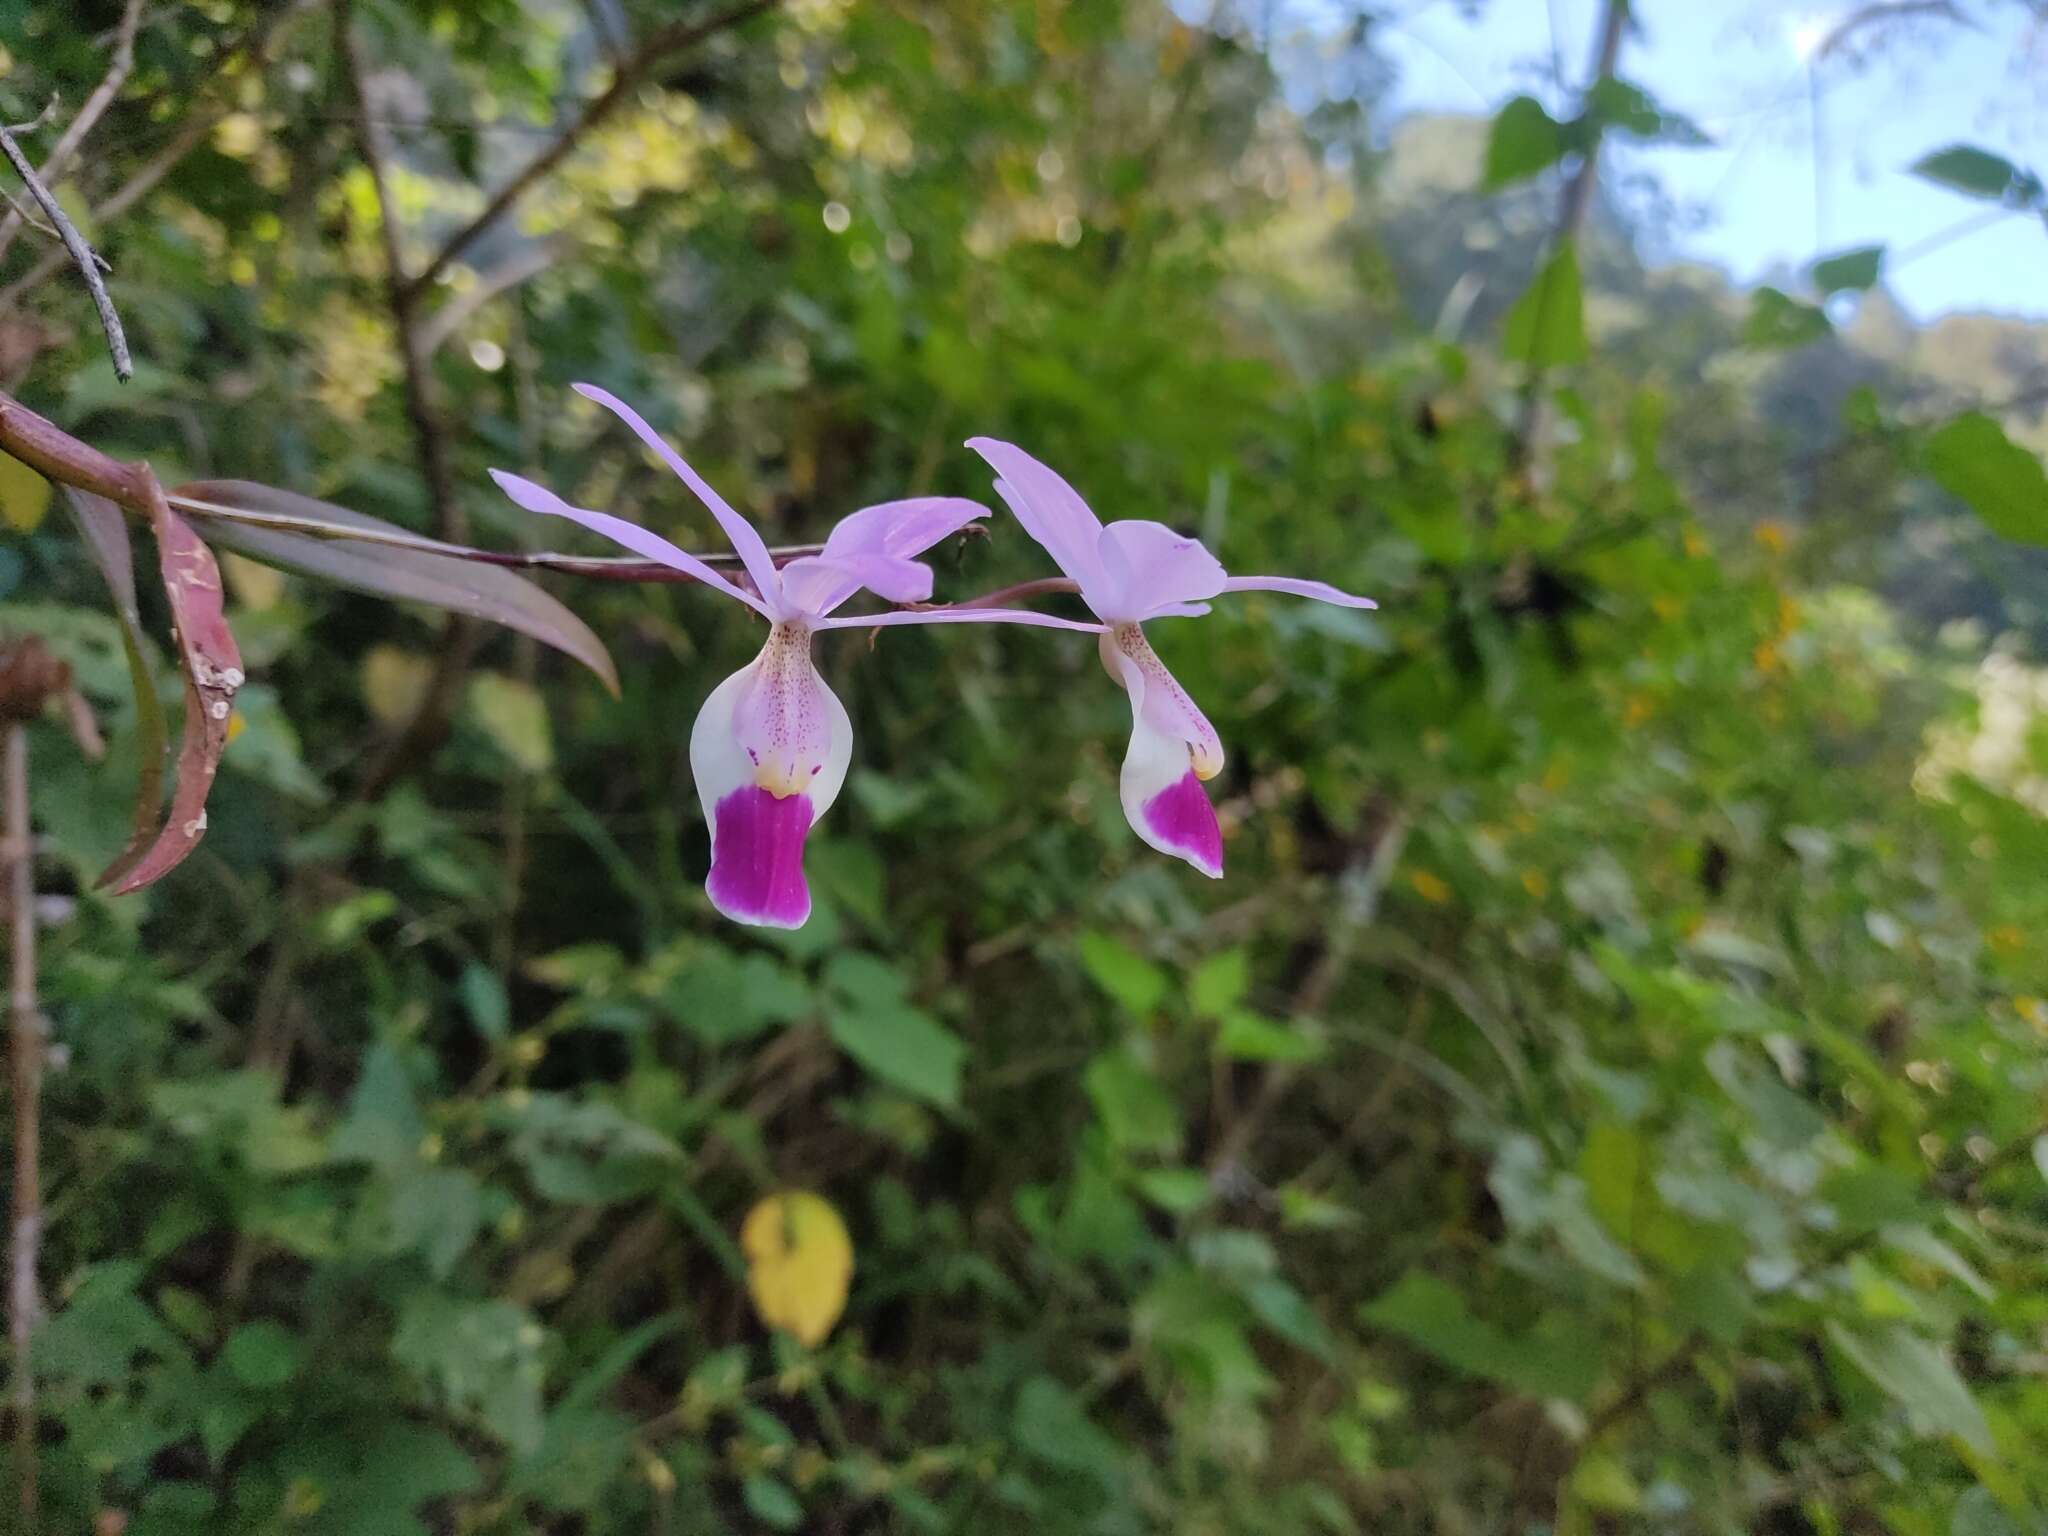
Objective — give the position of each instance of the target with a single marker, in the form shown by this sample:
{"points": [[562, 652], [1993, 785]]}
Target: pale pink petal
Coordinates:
{"points": [[816, 584], [757, 836], [1179, 611], [649, 546], [1051, 511], [957, 616], [1162, 794], [1151, 568], [746, 542], [1298, 586], [901, 529]]}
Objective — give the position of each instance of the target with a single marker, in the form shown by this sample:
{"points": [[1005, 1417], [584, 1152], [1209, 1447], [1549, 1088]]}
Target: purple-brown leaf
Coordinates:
{"points": [[388, 570], [213, 671]]}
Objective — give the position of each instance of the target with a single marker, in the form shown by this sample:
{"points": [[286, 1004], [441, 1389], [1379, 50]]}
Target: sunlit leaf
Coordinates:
{"points": [[1547, 326], [24, 495], [1779, 321], [1525, 139], [2004, 484], [1915, 1373], [1977, 173], [515, 717], [1849, 271]]}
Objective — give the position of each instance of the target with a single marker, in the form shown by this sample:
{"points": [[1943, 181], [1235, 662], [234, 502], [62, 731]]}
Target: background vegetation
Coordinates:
{"points": [[1606, 1094]]}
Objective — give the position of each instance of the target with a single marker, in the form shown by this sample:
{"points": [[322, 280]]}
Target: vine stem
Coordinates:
{"points": [[25, 1031]]}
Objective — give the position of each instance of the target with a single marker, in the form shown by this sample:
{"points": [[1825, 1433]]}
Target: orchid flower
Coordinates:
{"points": [[771, 745], [1130, 572]]}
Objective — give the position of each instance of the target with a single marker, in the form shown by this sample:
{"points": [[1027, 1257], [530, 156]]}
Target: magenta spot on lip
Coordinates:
{"points": [[757, 858], [1182, 818]]}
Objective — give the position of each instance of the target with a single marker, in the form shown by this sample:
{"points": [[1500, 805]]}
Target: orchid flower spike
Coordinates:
{"points": [[771, 745], [1128, 573]]}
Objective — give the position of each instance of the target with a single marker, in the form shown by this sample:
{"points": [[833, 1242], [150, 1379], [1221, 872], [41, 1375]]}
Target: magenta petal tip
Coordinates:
{"points": [[1182, 818], [757, 858]]}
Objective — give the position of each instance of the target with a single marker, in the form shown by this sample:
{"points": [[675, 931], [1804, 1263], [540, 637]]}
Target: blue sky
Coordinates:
{"points": [[1771, 195]]}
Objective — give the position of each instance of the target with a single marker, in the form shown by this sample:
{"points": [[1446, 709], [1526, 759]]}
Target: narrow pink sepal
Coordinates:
{"points": [[1296, 586], [648, 546], [746, 539], [757, 858], [1182, 816]]}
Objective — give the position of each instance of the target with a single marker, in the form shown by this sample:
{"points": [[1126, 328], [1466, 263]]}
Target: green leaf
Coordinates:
{"points": [[515, 718], [1915, 1373], [483, 999], [481, 1357], [1050, 1424], [383, 1124], [1525, 140], [1245, 1036], [1561, 1362], [1136, 1111], [1973, 172], [772, 1503], [1547, 326], [1974, 461], [1219, 983], [1849, 271], [869, 1019], [263, 1355], [1134, 983], [1616, 104], [1779, 321]]}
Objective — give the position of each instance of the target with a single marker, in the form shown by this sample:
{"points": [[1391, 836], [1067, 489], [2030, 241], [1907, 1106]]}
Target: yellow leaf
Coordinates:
{"points": [[394, 682], [514, 716], [24, 495], [799, 1264]]}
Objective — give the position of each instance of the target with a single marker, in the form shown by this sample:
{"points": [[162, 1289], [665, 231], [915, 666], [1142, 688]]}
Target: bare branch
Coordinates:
{"points": [[96, 104], [631, 75], [82, 255]]}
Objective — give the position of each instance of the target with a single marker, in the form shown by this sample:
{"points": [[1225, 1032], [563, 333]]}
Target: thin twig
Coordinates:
{"points": [[1359, 889], [96, 104], [625, 87], [25, 1032], [81, 254], [429, 724]]}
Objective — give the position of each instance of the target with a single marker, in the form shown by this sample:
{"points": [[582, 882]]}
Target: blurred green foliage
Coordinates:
{"points": [[1605, 1095]]}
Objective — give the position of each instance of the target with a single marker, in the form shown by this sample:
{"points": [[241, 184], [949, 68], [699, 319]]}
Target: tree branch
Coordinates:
{"points": [[631, 75], [82, 255], [96, 104]]}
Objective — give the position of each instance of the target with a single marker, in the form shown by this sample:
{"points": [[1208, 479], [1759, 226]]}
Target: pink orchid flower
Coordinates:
{"points": [[1128, 573], [771, 745]]}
